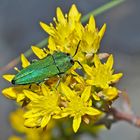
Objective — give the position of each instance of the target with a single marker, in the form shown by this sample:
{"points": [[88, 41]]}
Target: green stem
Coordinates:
{"points": [[40, 45], [44, 42], [102, 9]]}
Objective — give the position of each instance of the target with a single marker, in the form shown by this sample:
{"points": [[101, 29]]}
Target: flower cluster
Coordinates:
{"points": [[81, 89], [17, 122]]}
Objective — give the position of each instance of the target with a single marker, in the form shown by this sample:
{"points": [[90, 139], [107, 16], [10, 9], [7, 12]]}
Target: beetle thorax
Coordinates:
{"points": [[63, 61]]}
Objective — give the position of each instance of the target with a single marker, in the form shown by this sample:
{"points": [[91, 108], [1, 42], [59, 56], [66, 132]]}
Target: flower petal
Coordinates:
{"points": [[46, 28], [31, 114], [91, 25], [102, 31], [86, 93], [110, 62], [45, 120], [97, 61], [61, 115], [88, 69], [60, 16], [116, 77], [31, 122], [31, 95], [24, 61], [10, 93], [45, 89], [8, 77], [74, 15], [38, 52], [97, 98], [92, 111], [76, 123], [51, 45], [17, 120], [67, 91], [20, 97], [110, 93]]}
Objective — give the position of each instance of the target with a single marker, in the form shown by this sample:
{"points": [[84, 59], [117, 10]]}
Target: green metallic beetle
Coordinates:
{"points": [[52, 65]]}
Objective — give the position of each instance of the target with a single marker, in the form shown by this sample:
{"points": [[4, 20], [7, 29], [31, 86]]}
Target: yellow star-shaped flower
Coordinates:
{"points": [[17, 122], [77, 106], [106, 94], [43, 107], [101, 75], [66, 33], [91, 37]]}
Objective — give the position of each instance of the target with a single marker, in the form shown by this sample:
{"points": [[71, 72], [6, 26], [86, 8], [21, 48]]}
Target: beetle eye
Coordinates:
{"points": [[67, 54], [72, 62]]}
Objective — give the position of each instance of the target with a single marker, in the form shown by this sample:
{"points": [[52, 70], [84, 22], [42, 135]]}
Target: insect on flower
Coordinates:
{"points": [[53, 64]]}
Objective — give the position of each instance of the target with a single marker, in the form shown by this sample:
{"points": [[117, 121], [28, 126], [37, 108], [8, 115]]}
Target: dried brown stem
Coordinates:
{"points": [[10, 64], [123, 116], [114, 115]]}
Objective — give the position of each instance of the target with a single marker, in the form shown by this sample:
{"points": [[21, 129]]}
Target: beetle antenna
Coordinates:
{"points": [[78, 63], [77, 48]]}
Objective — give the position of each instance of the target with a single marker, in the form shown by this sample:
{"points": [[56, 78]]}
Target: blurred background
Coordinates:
{"points": [[19, 29]]}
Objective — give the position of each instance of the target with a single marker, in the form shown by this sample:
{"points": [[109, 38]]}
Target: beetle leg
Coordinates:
{"points": [[60, 76], [58, 82], [25, 102], [45, 50], [34, 60], [30, 86]]}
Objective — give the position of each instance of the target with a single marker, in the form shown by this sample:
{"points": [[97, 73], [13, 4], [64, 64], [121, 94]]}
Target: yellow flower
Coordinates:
{"points": [[91, 37], [15, 93], [110, 93], [106, 94], [77, 106], [68, 31], [65, 34], [101, 75], [17, 122], [43, 107]]}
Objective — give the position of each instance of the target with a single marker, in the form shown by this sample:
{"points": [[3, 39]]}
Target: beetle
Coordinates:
{"points": [[53, 64]]}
